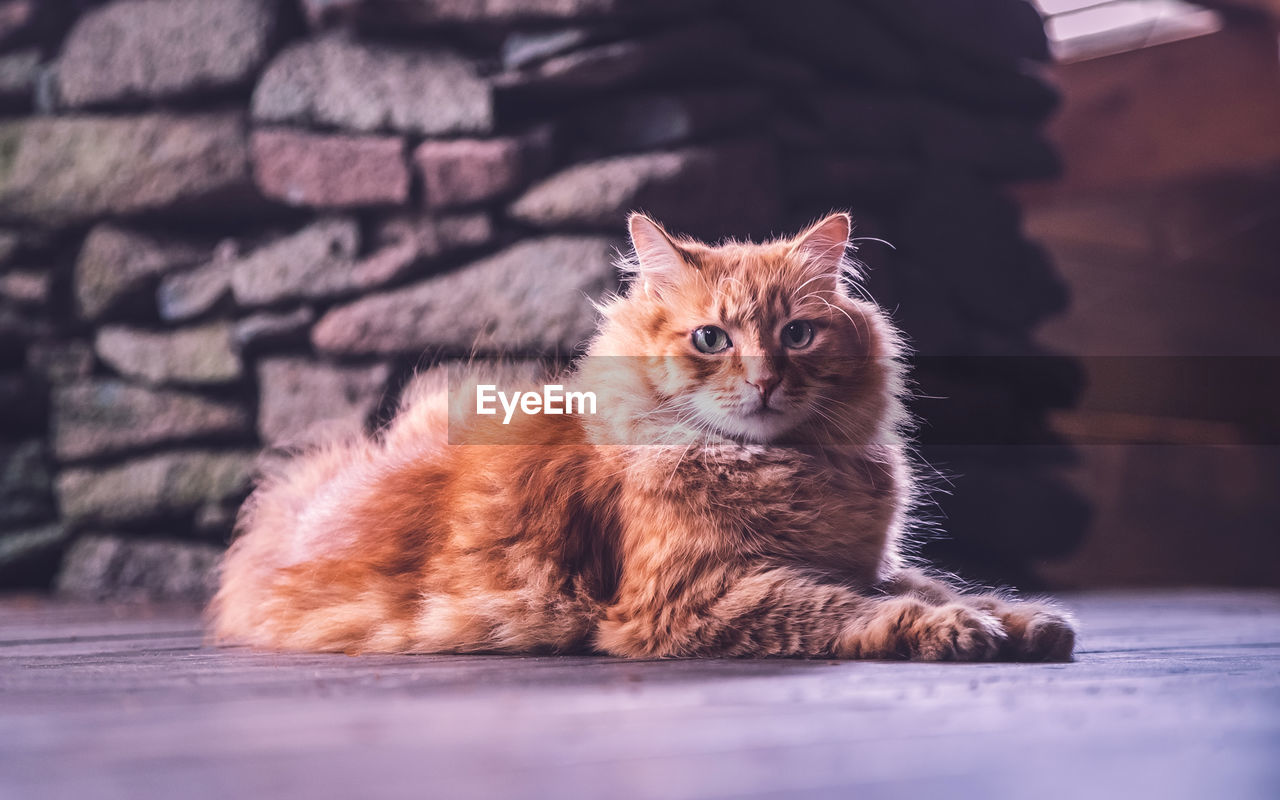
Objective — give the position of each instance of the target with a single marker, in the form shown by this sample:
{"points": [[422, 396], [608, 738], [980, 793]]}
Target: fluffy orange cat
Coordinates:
{"points": [[743, 490]]}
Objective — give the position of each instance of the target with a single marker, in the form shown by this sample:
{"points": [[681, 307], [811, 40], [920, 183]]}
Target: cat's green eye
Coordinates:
{"points": [[797, 334], [710, 339]]}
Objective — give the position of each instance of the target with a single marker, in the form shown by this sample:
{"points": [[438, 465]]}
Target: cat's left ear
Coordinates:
{"points": [[821, 246], [659, 259]]}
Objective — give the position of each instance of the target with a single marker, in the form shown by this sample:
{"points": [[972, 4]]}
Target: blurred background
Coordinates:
{"points": [[226, 225]]}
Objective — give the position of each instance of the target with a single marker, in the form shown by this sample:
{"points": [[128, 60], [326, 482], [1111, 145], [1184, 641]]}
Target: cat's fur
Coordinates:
{"points": [[747, 503]]}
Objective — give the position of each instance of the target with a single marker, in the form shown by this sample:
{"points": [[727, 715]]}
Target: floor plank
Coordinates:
{"points": [[1172, 694]]}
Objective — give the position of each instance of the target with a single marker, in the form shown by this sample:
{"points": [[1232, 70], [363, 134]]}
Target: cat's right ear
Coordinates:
{"points": [[658, 259]]}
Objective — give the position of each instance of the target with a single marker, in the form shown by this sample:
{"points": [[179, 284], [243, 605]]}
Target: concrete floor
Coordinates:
{"points": [[1172, 695]]}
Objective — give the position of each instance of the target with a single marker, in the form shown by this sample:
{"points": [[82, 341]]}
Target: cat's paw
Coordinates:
{"points": [[907, 627], [955, 632], [1037, 632]]}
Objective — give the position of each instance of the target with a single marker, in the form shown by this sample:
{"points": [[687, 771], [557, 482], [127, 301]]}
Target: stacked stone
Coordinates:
{"points": [[230, 225]]}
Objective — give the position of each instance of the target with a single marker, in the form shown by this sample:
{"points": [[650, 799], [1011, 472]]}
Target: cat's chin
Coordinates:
{"points": [[760, 427]]}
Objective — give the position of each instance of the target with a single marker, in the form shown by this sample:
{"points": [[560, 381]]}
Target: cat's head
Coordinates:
{"points": [[756, 342]]}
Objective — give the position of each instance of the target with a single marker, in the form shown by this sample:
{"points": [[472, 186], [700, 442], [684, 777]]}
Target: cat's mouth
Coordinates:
{"points": [[745, 419], [760, 422]]}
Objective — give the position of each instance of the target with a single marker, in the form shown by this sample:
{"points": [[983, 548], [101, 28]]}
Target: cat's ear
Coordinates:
{"points": [[659, 259], [821, 247]]}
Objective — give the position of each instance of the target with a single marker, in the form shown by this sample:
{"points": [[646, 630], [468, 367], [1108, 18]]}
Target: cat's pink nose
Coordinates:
{"points": [[765, 387]]}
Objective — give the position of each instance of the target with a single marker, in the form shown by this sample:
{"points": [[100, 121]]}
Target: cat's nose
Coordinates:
{"points": [[765, 386]]}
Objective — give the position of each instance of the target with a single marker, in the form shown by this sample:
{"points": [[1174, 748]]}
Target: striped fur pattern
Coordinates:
{"points": [[747, 502]]}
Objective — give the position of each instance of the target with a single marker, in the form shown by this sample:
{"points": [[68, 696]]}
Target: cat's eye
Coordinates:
{"points": [[710, 339], [797, 334]]}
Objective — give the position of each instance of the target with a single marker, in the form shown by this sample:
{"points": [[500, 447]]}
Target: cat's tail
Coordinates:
{"points": [[329, 544], [292, 516], [299, 515]]}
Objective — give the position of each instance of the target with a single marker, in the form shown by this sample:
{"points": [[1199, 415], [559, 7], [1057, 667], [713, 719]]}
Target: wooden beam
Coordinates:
{"points": [[1201, 106], [1268, 7]]}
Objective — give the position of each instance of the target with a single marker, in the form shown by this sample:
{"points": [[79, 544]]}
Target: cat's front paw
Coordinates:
{"points": [[1037, 632], [956, 632], [907, 627]]}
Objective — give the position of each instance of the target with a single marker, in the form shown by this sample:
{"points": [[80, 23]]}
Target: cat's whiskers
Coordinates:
{"points": [[801, 287], [856, 286], [832, 429], [884, 242], [683, 455], [817, 294], [844, 426]]}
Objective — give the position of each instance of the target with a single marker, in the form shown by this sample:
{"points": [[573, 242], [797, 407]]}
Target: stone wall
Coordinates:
{"points": [[225, 222]]}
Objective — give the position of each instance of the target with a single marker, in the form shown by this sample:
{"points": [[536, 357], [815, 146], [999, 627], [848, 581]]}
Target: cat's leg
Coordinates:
{"points": [[1037, 630], [780, 611], [919, 584]]}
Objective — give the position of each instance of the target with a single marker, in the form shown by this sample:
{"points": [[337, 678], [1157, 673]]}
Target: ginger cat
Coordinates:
{"points": [[743, 490]]}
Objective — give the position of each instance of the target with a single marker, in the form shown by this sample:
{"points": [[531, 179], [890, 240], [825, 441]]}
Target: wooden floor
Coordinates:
{"points": [[1172, 695]]}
